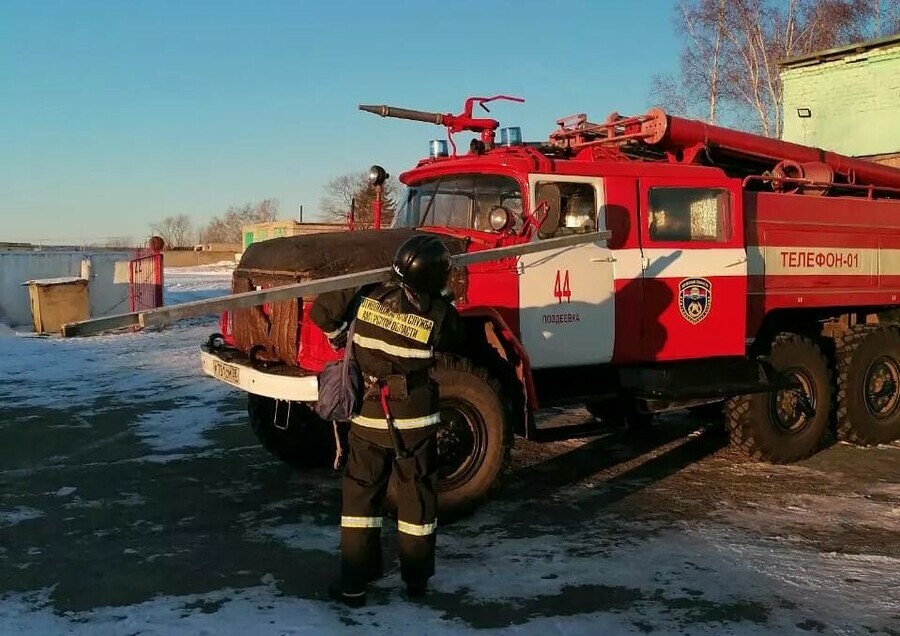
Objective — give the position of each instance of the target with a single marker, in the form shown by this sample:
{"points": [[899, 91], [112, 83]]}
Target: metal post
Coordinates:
{"points": [[376, 208]]}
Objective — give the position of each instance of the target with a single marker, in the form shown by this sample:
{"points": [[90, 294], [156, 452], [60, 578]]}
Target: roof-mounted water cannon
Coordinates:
{"points": [[484, 126]]}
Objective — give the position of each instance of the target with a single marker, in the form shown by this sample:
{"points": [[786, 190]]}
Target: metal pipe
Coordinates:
{"points": [[670, 132], [376, 207], [403, 113], [212, 306]]}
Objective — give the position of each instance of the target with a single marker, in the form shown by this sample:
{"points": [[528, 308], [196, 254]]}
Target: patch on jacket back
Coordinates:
{"points": [[407, 325]]}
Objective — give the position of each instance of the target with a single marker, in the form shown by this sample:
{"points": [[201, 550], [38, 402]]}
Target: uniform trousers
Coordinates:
{"points": [[371, 465]]}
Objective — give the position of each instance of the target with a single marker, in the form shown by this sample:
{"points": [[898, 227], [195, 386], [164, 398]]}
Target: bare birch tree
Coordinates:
{"points": [[732, 50]]}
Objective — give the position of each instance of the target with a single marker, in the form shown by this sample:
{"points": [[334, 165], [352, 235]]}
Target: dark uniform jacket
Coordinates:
{"points": [[394, 342]]}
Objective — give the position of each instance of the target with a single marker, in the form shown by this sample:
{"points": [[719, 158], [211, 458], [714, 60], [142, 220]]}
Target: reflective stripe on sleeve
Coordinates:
{"points": [[361, 522], [402, 425], [392, 350], [417, 529], [331, 334]]}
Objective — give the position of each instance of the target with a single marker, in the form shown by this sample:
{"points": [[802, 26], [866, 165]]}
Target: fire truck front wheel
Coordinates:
{"points": [[292, 432], [868, 370], [790, 424]]}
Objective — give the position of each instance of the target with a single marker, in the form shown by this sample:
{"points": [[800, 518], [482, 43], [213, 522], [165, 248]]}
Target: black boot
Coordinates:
{"points": [[416, 589], [351, 599]]}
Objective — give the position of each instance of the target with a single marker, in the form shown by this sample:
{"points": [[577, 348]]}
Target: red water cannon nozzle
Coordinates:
{"points": [[454, 123]]}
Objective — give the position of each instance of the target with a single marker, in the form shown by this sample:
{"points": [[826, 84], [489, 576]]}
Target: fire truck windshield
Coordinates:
{"points": [[462, 201]]}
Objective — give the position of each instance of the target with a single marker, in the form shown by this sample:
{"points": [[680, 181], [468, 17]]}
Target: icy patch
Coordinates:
{"points": [[15, 516], [107, 372], [238, 612], [177, 429], [843, 586], [65, 491], [594, 579], [307, 535]]}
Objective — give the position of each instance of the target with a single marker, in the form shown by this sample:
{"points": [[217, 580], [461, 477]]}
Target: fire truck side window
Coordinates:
{"points": [[689, 214], [577, 205]]}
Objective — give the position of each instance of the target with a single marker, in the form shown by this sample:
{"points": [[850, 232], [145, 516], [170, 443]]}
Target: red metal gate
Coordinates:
{"points": [[145, 280]]}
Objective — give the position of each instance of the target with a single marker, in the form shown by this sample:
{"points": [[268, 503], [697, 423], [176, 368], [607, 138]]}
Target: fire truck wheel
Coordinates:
{"points": [[868, 399], [296, 436], [788, 425], [474, 437]]}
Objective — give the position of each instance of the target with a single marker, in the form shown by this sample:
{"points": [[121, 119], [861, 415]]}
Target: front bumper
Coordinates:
{"points": [[232, 367]]}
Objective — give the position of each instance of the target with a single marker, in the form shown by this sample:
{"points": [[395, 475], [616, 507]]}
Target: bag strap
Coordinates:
{"points": [[348, 348]]}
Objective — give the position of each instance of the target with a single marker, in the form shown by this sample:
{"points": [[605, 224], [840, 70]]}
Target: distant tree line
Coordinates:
{"points": [[178, 230], [344, 194]]}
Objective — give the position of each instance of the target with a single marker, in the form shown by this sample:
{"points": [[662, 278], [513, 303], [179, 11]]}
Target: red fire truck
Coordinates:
{"points": [[733, 270]]}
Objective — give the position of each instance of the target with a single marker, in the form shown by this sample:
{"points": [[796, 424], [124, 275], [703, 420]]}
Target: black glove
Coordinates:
{"points": [[338, 339]]}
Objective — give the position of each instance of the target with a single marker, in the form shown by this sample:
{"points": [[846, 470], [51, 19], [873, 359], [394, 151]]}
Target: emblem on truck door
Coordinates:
{"points": [[696, 299]]}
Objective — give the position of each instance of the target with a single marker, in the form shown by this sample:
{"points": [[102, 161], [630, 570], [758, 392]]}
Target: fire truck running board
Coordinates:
{"points": [[701, 379]]}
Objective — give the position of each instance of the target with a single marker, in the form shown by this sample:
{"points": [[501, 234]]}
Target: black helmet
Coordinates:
{"points": [[422, 264]]}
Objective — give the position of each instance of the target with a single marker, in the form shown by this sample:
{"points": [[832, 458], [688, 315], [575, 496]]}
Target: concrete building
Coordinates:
{"points": [[846, 100], [256, 232]]}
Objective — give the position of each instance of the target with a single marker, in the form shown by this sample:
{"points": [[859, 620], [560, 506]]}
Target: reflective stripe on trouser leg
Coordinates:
{"points": [[416, 511], [364, 486]]}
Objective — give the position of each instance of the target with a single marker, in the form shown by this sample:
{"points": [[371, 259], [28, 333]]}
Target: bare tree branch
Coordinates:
{"points": [[174, 230], [731, 50], [354, 190], [227, 229]]}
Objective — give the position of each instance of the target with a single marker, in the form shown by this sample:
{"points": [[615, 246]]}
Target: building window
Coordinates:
{"points": [[689, 214]]}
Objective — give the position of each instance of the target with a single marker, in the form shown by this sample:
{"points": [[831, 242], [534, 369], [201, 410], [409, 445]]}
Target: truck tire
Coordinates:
{"points": [[868, 385], [474, 438], [305, 442], [776, 427]]}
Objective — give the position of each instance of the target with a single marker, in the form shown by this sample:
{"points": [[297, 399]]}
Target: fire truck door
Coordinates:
{"points": [[566, 303], [694, 269]]}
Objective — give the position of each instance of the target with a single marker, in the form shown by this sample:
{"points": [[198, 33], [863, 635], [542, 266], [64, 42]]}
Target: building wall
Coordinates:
{"points": [[854, 103], [256, 232], [185, 258], [108, 293]]}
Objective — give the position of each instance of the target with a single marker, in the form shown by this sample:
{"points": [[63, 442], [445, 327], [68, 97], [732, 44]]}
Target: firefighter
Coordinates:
{"points": [[399, 325]]}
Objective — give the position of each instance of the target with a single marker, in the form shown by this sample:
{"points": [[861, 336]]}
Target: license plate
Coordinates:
{"points": [[226, 372]]}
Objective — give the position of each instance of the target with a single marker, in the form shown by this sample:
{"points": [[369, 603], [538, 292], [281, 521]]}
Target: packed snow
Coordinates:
{"points": [[548, 566]]}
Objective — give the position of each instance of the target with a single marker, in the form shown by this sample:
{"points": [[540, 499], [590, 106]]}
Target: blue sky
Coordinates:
{"points": [[115, 114]]}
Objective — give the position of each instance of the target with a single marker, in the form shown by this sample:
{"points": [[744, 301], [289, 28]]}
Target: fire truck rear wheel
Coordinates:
{"points": [[297, 436], [868, 374], [474, 437], [787, 425]]}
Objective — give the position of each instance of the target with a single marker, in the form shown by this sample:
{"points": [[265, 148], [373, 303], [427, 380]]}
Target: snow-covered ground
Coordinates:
{"points": [[183, 284], [134, 500]]}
